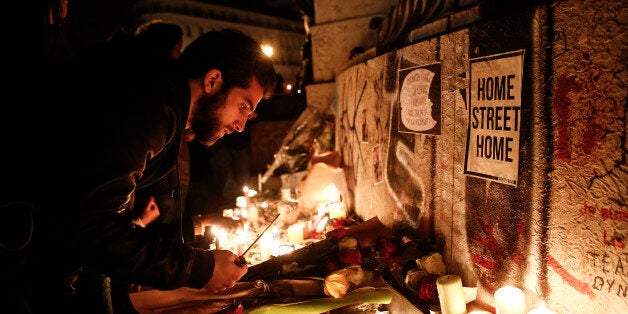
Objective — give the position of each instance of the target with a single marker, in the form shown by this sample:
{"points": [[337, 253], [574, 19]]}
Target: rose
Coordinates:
{"points": [[427, 288], [432, 263], [336, 284], [351, 257], [386, 248]]}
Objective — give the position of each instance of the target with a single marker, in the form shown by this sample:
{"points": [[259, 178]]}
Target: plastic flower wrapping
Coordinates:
{"points": [[312, 133]]}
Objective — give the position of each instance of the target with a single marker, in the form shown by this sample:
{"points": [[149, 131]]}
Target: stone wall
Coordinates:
{"points": [[558, 230]]}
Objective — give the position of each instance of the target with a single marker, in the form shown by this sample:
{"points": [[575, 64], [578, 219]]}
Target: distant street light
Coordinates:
{"points": [[268, 50]]}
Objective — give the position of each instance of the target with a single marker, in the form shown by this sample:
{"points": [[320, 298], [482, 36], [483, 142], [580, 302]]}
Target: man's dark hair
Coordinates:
{"points": [[238, 56], [159, 36]]}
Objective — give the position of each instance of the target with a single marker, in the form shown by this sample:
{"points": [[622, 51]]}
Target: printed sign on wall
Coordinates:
{"points": [[495, 117], [420, 100]]}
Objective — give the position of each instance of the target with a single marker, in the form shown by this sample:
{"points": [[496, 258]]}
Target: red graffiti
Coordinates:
{"points": [[481, 261], [571, 280], [620, 214], [491, 243], [562, 110], [488, 240], [606, 213], [592, 136], [588, 210], [616, 240]]}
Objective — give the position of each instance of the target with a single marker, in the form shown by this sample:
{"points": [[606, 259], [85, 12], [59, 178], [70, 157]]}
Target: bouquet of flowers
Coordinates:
{"points": [[350, 257]]}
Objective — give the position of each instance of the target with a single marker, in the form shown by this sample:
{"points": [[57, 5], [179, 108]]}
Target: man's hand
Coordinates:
{"points": [[226, 272], [226, 223], [150, 213]]}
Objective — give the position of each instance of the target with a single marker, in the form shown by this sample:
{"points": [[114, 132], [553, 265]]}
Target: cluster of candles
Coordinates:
{"points": [[279, 239], [508, 299]]}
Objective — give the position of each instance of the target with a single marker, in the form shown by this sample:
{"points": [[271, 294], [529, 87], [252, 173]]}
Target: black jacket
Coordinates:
{"points": [[93, 130]]}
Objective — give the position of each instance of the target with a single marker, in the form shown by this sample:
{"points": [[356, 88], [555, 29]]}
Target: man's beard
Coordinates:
{"points": [[205, 121]]}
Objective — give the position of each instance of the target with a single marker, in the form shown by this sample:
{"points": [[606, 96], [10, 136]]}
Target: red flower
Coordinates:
{"points": [[386, 248], [427, 288], [351, 257], [339, 223]]}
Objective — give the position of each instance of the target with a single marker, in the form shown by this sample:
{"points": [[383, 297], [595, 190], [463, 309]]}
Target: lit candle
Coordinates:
{"points": [[450, 295], [221, 238], [241, 201], [510, 300], [253, 214], [246, 195], [259, 182], [295, 233], [337, 210], [541, 309], [266, 246]]}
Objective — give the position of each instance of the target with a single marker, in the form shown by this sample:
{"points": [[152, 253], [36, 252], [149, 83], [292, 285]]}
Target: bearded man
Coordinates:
{"points": [[96, 129]]}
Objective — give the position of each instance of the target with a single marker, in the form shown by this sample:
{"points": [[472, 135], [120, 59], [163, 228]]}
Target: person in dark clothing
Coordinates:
{"points": [[74, 205]]}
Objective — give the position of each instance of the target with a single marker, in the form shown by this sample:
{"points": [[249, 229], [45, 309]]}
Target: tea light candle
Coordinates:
{"points": [[450, 294], [510, 300], [295, 233]]}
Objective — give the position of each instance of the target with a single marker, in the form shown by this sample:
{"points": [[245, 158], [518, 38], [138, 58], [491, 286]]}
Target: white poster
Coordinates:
{"points": [[495, 117]]}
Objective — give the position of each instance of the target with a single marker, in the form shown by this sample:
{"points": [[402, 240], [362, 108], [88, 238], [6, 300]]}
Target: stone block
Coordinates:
{"points": [[332, 44], [326, 11], [321, 97]]}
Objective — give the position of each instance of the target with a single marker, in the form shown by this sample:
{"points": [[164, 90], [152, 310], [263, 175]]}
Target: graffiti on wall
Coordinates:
{"points": [[415, 109]]}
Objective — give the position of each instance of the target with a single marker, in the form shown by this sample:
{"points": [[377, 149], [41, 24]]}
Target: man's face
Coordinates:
{"points": [[224, 111]]}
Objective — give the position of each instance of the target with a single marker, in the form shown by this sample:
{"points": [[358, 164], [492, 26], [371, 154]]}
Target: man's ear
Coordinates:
{"points": [[213, 81]]}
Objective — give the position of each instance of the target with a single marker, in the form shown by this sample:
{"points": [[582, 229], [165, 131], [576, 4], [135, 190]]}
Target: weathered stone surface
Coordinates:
{"points": [[326, 11], [321, 97], [332, 44]]}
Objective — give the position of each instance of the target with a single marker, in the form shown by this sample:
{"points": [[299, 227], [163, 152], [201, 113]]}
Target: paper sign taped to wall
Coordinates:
{"points": [[495, 117]]}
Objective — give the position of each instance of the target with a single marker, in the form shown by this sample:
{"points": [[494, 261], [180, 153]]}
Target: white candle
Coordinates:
{"points": [[266, 246], [510, 300], [259, 182], [295, 233], [450, 295], [246, 195], [253, 214], [221, 238], [337, 210], [541, 309]]}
